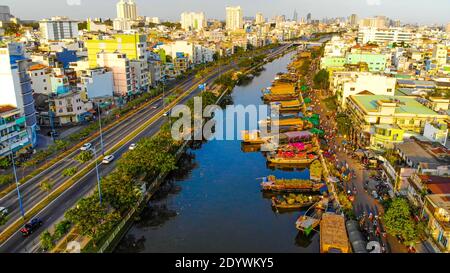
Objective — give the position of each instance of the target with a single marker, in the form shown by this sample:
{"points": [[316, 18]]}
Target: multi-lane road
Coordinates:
{"points": [[32, 194]]}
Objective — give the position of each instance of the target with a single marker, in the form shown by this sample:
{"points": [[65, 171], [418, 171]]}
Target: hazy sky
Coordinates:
{"points": [[420, 11]]}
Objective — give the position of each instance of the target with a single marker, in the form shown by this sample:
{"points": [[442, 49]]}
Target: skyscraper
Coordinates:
{"points": [[308, 18], [353, 20], [234, 18], [127, 10], [295, 17], [193, 20], [259, 19]]}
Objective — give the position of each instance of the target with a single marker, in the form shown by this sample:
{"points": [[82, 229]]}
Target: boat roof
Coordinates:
{"points": [[298, 134]]}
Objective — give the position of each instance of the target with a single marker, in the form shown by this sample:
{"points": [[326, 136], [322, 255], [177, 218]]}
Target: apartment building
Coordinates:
{"points": [[345, 84], [119, 64], [132, 45], [96, 83], [193, 21], [70, 108], [58, 28], [234, 18], [437, 211], [13, 131], [16, 85], [382, 36], [40, 76], [366, 111]]}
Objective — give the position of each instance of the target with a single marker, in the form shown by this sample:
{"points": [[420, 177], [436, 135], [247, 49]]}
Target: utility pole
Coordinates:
{"points": [[52, 123], [19, 196], [100, 125], [98, 176]]}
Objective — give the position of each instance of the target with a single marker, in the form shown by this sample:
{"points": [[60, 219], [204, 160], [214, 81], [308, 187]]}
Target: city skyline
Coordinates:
{"points": [[414, 12]]}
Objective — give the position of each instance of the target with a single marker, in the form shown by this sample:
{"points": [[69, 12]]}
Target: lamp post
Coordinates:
{"points": [[98, 175], [19, 196], [100, 126]]}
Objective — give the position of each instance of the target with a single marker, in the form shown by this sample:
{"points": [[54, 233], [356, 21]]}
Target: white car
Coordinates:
{"points": [[108, 159], [3, 211], [86, 147], [132, 146]]}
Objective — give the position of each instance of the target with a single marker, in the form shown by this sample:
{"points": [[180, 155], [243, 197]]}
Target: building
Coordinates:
{"points": [[436, 132], [69, 108], [119, 64], [385, 136], [448, 28], [345, 84], [174, 49], [96, 83], [437, 211], [375, 62], [407, 112], [193, 21], [58, 28], [5, 14], [16, 85], [308, 18], [234, 18], [153, 20], [381, 36], [133, 45], [13, 130], [259, 19], [126, 10], [40, 78], [353, 20], [440, 54], [373, 22]]}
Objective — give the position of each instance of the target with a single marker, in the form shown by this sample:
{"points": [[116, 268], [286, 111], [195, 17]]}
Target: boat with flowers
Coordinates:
{"points": [[293, 201], [273, 184], [291, 158]]}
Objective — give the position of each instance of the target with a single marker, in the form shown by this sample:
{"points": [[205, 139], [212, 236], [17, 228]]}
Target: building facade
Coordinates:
{"points": [[234, 18], [58, 28], [13, 131], [193, 21]]}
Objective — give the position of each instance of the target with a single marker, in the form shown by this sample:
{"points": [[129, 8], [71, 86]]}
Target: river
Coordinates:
{"points": [[215, 203]]}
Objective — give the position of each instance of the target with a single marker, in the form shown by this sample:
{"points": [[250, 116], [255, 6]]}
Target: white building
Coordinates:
{"points": [[40, 79], [378, 35], [259, 19], [234, 18], [119, 64], [345, 84], [440, 55], [126, 15], [58, 28], [185, 47], [139, 75], [15, 85], [193, 20], [70, 108], [436, 132], [97, 83], [5, 14], [203, 54], [153, 20]]}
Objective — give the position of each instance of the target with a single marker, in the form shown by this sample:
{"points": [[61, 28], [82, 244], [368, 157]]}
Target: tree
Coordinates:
{"points": [[47, 241], [321, 79], [399, 222], [92, 218], [84, 157], [6, 179], [12, 29], [120, 191], [46, 186], [70, 172], [5, 163], [83, 25], [343, 123]]}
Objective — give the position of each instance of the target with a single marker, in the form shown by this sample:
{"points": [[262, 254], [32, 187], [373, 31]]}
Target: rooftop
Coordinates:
{"points": [[6, 108], [405, 104], [415, 152]]}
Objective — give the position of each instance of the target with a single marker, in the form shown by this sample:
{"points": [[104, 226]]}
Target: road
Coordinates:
{"points": [[32, 194]]}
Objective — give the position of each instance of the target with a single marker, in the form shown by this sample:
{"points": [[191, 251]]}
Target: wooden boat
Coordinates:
{"points": [[294, 202], [287, 106], [308, 222], [285, 122], [333, 234], [291, 159], [272, 184], [279, 97], [253, 138]]}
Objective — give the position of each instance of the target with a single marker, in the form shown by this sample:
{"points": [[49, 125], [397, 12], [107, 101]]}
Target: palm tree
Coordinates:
{"points": [[46, 186]]}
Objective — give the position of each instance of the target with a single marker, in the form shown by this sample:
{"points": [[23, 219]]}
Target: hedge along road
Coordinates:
{"points": [[124, 139], [54, 210]]}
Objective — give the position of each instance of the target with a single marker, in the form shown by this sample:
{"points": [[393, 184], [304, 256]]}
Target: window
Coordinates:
{"points": [[389, 90], [352, 89], [44, 80]]}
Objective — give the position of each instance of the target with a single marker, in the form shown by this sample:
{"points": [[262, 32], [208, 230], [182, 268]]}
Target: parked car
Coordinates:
{"points": [[133, 146], [108, 159], [32, 226], [86, 147], [3, 211]]}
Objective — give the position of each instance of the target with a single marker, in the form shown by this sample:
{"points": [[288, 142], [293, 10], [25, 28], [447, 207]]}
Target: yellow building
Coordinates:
{"points": [[385, 136], [133, 45], [437, 211], [366, 111]]}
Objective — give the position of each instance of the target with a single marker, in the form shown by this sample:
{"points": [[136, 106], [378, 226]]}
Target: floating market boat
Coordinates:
{"points": [[254, 137], [279, 97], [272, 184], [287, 106], [290, 158], [294, 201], [308, 222]]}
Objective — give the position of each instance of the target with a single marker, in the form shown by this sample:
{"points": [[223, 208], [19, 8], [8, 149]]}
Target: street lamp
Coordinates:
{"points": [[100, 125], [19, 196], [98, 175]]}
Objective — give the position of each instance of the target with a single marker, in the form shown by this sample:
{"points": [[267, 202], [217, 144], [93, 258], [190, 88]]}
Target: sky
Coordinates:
{"points": [[408, 11]]}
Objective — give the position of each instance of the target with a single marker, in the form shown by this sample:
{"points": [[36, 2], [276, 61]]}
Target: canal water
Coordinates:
{"points": [[215, 204]]}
